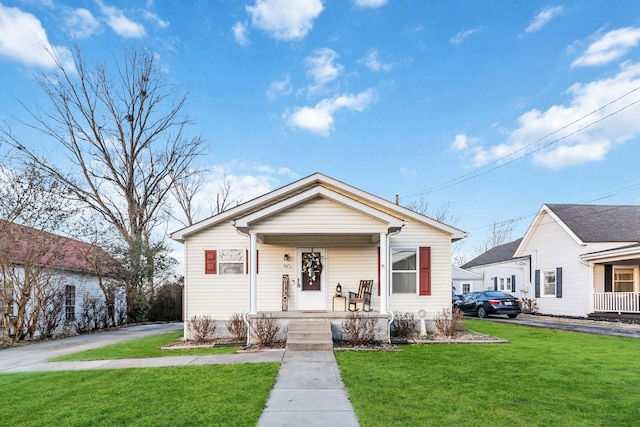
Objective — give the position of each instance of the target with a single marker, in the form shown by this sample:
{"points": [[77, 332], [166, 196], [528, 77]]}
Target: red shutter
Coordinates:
{"points": [[210, 262], [425, 271], [378, 270]]}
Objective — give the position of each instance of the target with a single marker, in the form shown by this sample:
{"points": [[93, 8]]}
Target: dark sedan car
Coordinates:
{"points": [[485, 303]]}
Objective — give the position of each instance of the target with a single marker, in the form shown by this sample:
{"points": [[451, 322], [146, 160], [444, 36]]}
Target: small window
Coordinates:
{"points": [[69, 303], [549, 284], [466, 288], [404, 270], [505, 284], [623, 280], [231, 261]]}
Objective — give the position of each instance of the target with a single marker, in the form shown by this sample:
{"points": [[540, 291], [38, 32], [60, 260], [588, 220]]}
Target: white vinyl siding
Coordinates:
{"points": [[319, 215]]}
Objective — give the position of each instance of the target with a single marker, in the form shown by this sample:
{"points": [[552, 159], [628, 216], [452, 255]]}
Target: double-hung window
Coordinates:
{"points": [[231, 261], [549, 283], [404, 270], [69, 303], [623, 280]]}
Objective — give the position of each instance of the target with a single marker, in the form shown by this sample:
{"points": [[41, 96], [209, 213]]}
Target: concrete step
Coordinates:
{"points": [[309, 336], [309, 345]]}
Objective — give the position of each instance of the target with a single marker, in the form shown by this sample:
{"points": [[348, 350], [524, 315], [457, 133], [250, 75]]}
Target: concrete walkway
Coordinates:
{"points": [[308, 392]]}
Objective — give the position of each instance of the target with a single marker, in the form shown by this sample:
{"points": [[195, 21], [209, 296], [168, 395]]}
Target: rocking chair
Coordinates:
{"points": [[363, 296]]}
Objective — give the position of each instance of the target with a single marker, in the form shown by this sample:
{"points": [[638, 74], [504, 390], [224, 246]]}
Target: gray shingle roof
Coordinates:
{"points": [[601, 223], [498, 254]]}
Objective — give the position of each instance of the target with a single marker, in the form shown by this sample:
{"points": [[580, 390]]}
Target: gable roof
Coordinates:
{"points": [[495, 255], [292, 194], [600, 223], [22, 245]]}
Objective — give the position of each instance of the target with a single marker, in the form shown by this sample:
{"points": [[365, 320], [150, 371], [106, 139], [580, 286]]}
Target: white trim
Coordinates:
{"points": [[317, 179], [246, 221], [536, 223]]}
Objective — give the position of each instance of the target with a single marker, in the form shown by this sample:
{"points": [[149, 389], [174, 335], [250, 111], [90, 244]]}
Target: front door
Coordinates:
{"points": [[310, 282]]}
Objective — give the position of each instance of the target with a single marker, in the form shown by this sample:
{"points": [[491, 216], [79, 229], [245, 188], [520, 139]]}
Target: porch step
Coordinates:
{"points": [[309, 336]]}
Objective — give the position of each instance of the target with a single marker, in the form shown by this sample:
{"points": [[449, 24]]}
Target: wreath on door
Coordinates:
{"points": [[311, 265]]}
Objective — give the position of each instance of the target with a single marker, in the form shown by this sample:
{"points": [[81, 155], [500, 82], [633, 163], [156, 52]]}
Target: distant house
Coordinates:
{"points": [[284, 253], [53, 274], [465, 281], [574, 260]]}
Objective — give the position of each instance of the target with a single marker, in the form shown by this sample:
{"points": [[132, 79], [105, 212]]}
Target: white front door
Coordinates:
{"points": [[310, 284]]}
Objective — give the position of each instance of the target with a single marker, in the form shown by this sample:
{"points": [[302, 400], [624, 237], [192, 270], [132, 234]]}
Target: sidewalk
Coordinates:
{"points": [[308, 392]]}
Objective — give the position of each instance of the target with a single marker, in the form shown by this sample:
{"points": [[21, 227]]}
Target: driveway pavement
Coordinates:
{"points": [[27, 357], [578, 325]]}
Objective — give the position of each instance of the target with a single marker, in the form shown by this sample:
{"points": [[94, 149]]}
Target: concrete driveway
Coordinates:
{"points": [[578, 325], [25, 356]]}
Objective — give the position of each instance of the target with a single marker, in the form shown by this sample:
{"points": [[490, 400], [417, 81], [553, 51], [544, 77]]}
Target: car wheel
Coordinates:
{"points": [[512, 316], [482, 313]]}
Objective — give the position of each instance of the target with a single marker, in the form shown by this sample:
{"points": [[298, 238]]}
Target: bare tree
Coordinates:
{"points": [[185, 192], [500, 233], [441, 214], [123, 130]]}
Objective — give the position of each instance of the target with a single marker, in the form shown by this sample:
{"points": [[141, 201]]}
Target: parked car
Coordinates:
{"points": [[456, 297], [484, 303]]}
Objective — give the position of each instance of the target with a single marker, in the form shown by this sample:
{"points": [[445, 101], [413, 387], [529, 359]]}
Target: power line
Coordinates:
{"points": [[500, 162]]}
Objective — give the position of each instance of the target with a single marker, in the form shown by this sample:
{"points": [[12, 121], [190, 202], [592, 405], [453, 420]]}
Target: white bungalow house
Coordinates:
{"points": [[284, 254], [584, 260]]}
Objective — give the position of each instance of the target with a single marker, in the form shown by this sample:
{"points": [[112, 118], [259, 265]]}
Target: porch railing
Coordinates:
{"points": [[617, 302]]}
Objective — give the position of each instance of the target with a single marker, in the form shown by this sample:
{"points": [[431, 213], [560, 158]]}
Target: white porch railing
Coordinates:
{"points": [[617, 302]]}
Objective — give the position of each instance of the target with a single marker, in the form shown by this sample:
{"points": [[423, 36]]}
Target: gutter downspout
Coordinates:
{"points": [[252, 270], [385, 271]]}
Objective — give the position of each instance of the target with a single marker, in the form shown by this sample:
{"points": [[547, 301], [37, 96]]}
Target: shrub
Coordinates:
{"points": [[404, 325], [201, 328], [360, 329], [93, 314], [237, 327], [265, 328], [167, 303], [448, 323], [529, 305]]}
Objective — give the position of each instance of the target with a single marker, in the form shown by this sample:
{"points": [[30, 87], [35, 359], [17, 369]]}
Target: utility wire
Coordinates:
{"points": [[500, 162]]}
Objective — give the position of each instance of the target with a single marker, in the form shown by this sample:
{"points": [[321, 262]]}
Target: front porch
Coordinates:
{"points": [[616, 306]]}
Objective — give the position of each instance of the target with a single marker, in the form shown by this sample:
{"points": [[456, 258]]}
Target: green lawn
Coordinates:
{"points": [[219, 395], [143, 347], [540, 378]]}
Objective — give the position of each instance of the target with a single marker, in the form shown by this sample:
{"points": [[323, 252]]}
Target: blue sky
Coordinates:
{"points": [[494, 107]]}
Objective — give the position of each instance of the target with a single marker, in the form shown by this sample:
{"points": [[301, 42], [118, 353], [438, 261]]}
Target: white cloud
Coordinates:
{"points": [[120, 24], [459, 38], [152, 17], [370, 3], [23, 39], [81, 23], [279, 88], [460, 142], [240, 34], [322, 68], [285, 19], [543, 18], [611, 46], [372, 62], [582, 131], [319, 119]]}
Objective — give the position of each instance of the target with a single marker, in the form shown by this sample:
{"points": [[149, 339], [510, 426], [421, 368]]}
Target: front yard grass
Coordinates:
{"points": [[541, 377], [220, 395], [142, 347]]}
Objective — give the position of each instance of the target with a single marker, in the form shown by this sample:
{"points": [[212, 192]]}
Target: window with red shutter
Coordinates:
{"points": [[210, 262], [425, 271]]}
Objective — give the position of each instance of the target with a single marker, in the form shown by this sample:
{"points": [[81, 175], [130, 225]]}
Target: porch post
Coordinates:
{"points": [[384, 290], [253, 277]]}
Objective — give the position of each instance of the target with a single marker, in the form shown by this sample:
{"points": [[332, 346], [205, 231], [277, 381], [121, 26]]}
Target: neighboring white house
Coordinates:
{"points": [[465, 281], [584, 260], [285, 252], [32, 260], [500, 270]]}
